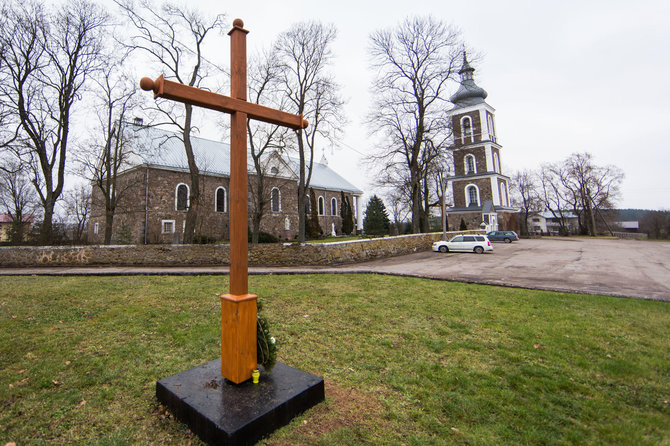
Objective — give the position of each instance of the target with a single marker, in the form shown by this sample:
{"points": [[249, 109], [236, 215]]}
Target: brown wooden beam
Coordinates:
{"points": [[175, 91]]}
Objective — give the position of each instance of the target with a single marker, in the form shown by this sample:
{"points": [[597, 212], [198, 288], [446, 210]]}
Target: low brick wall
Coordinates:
{"points": [[276, 254]]}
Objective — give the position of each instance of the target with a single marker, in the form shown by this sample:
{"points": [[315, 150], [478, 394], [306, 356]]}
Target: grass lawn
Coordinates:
{"points": [[406, 361]]}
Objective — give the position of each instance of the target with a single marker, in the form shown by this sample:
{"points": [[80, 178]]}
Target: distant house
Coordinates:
{"points": [[6, 225], [628, 226], [548, 222], [154, 206]]}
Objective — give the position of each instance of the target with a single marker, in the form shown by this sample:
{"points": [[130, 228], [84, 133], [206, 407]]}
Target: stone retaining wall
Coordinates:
{"points": [[275, 254]]}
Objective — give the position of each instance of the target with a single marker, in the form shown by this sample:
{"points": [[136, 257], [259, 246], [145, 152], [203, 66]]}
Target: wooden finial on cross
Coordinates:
{"points": [[238, 308]]}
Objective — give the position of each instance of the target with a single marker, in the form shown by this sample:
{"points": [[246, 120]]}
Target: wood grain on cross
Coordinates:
{"points": [[238, 308]]}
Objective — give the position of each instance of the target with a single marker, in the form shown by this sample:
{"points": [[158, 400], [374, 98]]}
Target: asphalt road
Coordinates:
{"points": [[625, 268]]}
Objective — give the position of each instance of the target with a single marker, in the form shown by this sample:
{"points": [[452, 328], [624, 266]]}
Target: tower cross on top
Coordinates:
{"points": [[238, 308]]}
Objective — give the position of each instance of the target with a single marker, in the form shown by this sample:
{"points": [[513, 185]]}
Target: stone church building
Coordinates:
{"points": [[479, 188], [154, 188]]}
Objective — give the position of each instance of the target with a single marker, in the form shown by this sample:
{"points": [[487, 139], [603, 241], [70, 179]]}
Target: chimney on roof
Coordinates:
{"points": [[138, 122]]}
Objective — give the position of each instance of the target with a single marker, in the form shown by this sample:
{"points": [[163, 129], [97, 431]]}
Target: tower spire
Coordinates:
{"points": [[468, 93]]}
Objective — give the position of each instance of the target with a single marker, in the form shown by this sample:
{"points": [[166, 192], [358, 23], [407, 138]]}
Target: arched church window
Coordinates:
{"points": [[503, 195], [275, 200], [308, 205], [322, 206], [472, 195], [467, 134], [181, 197], [496, 162], [470, 165], [220, 200], [333, 206]]}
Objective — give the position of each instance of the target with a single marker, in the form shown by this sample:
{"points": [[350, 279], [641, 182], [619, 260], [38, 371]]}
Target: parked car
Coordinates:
{"points": [[502, 236], [466, 243]]}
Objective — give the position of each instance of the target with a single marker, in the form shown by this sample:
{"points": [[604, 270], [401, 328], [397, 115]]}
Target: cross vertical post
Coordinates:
{"points": [[238, 308]]}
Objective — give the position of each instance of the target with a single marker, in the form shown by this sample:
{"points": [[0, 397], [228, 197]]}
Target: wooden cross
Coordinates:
{"points": [[238, 308]]}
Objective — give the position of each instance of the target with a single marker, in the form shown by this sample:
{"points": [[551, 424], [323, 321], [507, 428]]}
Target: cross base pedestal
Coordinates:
{"points": [[223, 413]]}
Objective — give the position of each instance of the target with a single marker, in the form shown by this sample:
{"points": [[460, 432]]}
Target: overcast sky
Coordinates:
{"points": [[564, 77]]}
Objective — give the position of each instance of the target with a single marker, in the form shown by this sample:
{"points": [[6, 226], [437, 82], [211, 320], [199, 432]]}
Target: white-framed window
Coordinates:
{"points": [[472, 195], [181, 197], [470, 164], [467, 132], [496, 162], [503, 195], [220, 199], [492, 132], [275, 200], [333, 206], [167, 226], [322, 206], [96, 228]]}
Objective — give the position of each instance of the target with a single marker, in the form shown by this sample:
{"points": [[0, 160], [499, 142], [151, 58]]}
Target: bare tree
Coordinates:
{"points": [[305, 54], [17, 198], [555, 198], [78, 209], [591, 187], [173, 37], [112, 142], [525, 195], [45, 61], [264, 77], [413, 63]]}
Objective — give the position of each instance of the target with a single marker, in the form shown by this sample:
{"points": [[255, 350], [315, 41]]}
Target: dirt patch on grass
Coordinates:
{"points": [[344, 408]]}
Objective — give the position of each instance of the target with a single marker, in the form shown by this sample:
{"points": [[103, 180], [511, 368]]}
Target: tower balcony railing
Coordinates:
{"points": [[475, 138]]}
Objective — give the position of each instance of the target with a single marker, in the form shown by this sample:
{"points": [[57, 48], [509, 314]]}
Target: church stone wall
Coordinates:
{"points": [[130, 213]]}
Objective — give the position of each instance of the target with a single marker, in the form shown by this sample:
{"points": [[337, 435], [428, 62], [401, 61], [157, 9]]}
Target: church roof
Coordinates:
{"points": [[162, 148], [468, 92]]}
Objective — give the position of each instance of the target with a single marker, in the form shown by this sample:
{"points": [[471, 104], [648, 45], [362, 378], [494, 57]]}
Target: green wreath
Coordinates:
{"points": [[266, 348]]}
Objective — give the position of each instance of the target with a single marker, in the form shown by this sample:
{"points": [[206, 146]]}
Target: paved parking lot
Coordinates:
{"points": [[626, 268]]}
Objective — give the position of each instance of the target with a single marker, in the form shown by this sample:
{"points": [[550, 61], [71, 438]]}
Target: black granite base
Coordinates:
{"points": [[223, 413]]}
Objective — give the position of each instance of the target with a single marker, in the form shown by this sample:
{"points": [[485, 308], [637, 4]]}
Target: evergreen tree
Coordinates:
{"points": [[376, 220], [312, 227], [464, 227], [346, 214]]}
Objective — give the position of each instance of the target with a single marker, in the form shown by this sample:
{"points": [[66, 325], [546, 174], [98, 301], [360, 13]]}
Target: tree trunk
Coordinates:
{"points": [[109, 221], [194, 193], [302, 189], [46, 230]]}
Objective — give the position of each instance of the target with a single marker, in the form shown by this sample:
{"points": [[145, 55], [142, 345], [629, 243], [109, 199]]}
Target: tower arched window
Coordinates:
{"points": [[467, 133], [470, 164], [220, 200], [492, 131], [503, 195], [275, 200], [181, 197], [322, 206], [333, 206], [472, 195], [496, 162]]}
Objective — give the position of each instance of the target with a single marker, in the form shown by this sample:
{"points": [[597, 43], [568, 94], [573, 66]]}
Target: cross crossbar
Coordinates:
{"points": [[175, 91]]}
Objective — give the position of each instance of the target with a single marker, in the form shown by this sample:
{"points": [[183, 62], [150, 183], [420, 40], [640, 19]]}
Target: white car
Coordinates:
{"points": [[466, 243]]}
